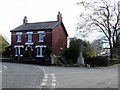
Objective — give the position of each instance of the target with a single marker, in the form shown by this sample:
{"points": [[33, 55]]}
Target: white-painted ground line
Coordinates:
{"points": [[52, 74], [0, 71], [53, 84], [40, 68], [53, 80], [4, 66], [53, 77], [44, 80], [46, 77], [43, 84]]}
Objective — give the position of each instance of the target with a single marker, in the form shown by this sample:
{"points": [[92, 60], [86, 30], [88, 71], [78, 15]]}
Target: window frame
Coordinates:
{"points": [[41, 35], [40, 52], [29, 36], [19, 36], [18, 49]]}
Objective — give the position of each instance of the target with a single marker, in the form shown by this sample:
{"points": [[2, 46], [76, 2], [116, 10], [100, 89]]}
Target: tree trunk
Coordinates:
{"points": [[111, 53], [111, 50]]}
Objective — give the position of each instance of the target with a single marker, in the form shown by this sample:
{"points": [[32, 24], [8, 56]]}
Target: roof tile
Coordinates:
{"points": [[37, 26]]}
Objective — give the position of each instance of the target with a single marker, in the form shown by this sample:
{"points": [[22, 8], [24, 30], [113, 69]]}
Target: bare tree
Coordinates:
{"points": [[103, 16]]}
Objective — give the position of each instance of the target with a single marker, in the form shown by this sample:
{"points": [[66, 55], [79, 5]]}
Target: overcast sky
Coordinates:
{"points": [[13, 11]]}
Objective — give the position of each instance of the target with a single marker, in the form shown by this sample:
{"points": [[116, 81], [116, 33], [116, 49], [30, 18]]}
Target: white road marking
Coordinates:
{"points": [[52, 74], [53, 77], [44, 80], [46, 76], [0, 71], [43, 84], [40, 68], [4, 66], [53, 80], [53, 84]]}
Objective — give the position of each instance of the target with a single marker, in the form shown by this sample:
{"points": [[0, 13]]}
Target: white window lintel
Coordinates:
{"points": [[18, 33], [18, 46], [40, 46], [29, 32], [41, 31]]}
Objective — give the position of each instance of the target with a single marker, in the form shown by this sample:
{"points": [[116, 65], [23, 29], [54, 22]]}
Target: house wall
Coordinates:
{"points": [[59, 40], [24, 38], [55, 38]]}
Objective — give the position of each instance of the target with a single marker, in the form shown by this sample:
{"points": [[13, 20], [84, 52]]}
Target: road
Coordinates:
{"points": [[81, 77], [21, 76], [36, 76]]}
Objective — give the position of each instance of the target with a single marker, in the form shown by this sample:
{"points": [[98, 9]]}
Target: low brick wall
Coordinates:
{"points": [[114, 61], [24, 60], [96, 61]]}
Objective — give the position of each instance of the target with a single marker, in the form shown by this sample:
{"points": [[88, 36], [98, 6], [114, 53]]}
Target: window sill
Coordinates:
{"points": [[16, 55], [39, 56], [18, 41], [28, 43], [19, 55], [41, 41]]}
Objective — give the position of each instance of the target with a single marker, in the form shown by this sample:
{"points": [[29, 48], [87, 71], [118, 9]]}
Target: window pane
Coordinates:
{"points": [[16, 51], [41, 37], [38, 51], [43, 50], [29, 37], [21, 51], [19, 38]]}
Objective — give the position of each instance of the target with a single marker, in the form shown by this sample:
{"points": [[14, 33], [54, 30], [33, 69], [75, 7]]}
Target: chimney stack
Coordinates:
{"points": [[59, 17], [25, 20]]}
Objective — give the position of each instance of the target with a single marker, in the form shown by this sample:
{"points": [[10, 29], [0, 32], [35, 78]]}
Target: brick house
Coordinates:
{"points": [[31, 39]]}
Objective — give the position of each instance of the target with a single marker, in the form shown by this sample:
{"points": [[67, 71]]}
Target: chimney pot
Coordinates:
{"points": [[25, 20], [59, 16]]}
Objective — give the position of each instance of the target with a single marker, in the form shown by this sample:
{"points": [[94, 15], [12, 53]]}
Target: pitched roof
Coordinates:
{"points": [[37, 26]]}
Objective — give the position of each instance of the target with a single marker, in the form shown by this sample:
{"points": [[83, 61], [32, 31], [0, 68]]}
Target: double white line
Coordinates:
{"points": [[53, 80], [44, 83]]}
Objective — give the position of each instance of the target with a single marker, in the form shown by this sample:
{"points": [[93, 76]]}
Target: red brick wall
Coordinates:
{"points": [[59, 40], [48, 39], [55, 38]]}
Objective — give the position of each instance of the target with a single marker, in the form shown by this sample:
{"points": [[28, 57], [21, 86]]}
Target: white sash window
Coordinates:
{"points": [[39, 50], [19, 36], [18, 50], [29, 36], [41, 36]]}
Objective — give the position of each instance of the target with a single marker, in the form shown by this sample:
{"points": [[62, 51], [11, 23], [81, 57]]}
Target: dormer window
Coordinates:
{"points": [[19, 36], [41, 35], [29, 34]]}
